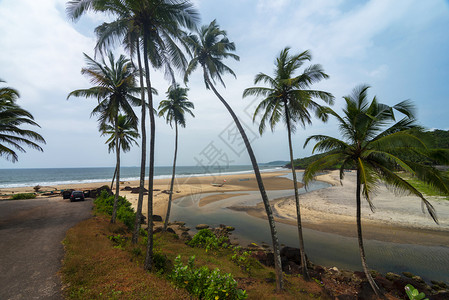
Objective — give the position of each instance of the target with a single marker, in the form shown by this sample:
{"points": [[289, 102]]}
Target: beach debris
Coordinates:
{"points": [[201, 226], [37, 188], [219, 184]]}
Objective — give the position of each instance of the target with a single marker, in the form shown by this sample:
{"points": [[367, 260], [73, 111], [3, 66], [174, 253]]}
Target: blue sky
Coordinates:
{"points": [[399, 47]]}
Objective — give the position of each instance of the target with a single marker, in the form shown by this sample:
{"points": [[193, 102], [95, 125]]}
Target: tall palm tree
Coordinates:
{"points": [[209, 46], [372, 140], [288, 97], [174, 109], [12, 116], [127, 135], [158, 24], [114, 88]]}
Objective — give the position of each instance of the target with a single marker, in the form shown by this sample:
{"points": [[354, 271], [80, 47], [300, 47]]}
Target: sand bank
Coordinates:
{"points": [[395, 219]]}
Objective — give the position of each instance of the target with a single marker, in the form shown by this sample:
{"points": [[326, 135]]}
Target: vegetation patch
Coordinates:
{"points": [[125, 213], [22, 196], [101, 263]]}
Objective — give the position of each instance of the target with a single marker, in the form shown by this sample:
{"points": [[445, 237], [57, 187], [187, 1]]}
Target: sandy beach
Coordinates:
{"points": [[396, 218]]}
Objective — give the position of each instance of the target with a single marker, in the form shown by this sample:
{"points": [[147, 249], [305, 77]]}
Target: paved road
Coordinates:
{"points": [[31, 232]]}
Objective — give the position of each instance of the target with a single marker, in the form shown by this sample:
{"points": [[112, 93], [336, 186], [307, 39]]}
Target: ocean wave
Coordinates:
{"points": [[56, 182]]}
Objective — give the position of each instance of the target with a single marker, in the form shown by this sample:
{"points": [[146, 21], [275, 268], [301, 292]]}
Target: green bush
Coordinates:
{"points": [[204, 283], [125, 213], [22, 196], [206, 238]]}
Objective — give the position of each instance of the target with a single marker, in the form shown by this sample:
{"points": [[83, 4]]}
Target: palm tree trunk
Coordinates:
{"points": [[149, 254], [360, 238], [170, 196], [113, 177], [298, 208], [144, 150], [117, 184], [277, 254]]}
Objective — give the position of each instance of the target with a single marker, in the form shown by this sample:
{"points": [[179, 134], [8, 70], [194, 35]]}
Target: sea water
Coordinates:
{"points": [[10, 178]]}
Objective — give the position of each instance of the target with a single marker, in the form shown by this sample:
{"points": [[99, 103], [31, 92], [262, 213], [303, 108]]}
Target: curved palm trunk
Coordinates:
{"points": [[149, 254], [277, 255], [360, 239], [167, 217], [113, 177], [144, 150], [298, 208], [117, 184]]}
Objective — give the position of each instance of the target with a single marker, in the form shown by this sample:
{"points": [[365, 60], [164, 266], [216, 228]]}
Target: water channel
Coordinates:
{"points": [[327, 249]]}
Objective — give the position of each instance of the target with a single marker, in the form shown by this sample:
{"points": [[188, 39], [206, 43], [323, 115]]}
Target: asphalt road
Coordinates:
{"points": [[31, 232]]}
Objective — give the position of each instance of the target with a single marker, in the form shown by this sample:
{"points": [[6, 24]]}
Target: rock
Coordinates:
{"points": [[408, 274], [127, 188], [178, 223], [169, 229], [157, 218], [186, 236], [201, 226], [291, 268], [291, 254], [334, 269], [182, 228], [157, 229], [96, 192], [441, 296], [143, 219], [230, 228], [392, 276], [418, 279]]}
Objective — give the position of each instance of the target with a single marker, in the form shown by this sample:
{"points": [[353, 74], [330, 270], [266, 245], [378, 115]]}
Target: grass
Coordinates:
{"points": [[101, 263], [22, 196], [422, 186]]}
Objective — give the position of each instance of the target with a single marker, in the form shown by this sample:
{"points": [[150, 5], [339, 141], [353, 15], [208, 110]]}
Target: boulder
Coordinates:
{"points": [[169, 229], [157, 218], [291, 254], [392, 276], [201, 226]]}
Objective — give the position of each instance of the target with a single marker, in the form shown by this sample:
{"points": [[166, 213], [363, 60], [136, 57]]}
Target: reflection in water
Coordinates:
{"points": [[430, 262]]}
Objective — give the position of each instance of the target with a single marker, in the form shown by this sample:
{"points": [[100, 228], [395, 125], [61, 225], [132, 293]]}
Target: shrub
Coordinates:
{"points": [[125, 213], [205, 283], [22, 196], [207, 239]]}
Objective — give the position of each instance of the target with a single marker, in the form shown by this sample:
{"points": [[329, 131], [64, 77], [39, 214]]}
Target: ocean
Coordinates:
{"points": [[53, 176]]}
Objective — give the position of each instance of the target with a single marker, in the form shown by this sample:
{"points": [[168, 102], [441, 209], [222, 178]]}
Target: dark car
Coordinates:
{"points": [[77, 196]]}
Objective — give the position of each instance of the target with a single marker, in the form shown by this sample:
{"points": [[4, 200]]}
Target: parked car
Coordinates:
{"points": [[77, 196]]}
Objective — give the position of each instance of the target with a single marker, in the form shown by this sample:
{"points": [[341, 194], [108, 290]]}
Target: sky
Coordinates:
{"points": [[400, 48]]}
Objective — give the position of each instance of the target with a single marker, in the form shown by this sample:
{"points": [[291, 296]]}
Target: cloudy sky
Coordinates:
{"points": [[399, 47]]}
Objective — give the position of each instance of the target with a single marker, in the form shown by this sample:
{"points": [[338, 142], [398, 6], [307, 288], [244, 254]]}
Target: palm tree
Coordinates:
{"points": [[114, 88], [209, 46], [174, 109], [127, 135], [289, 98], [373, 138], [12, 116], [158, 24]]}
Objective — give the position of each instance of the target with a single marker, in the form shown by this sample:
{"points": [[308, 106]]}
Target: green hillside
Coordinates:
{"points": [[436, 139]]}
